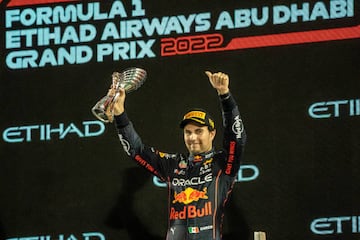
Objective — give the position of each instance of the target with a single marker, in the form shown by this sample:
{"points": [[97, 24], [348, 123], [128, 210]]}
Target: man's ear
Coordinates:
{"points": [[213, 133]]}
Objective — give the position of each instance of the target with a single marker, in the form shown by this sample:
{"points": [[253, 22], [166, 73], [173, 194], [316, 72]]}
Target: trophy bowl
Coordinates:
{"points": [[130, 79]]}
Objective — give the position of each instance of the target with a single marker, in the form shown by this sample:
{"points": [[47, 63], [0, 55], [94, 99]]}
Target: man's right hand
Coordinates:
{"points": [[119, 102], [119, 105]]}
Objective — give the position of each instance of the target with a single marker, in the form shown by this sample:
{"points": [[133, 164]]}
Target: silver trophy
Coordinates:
{"points": [[130, 79]]}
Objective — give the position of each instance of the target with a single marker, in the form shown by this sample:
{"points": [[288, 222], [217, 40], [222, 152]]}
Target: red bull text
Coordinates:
{"points": [[191, 212]]}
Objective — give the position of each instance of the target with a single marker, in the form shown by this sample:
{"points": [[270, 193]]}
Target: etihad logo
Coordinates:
{"points": [[83, 236], [335, 109], [48, 132], [336, 225], [190, 195], [191, 212]]}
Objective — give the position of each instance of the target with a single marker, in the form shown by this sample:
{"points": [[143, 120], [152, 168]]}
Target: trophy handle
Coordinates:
{"points": [[130, 80], [103, 109]]}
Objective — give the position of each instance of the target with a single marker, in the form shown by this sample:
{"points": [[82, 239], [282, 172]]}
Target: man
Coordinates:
{"points": [[199, 182]]}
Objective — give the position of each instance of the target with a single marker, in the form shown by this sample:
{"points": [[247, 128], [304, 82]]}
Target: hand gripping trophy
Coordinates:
{"points": [[130, 79]]}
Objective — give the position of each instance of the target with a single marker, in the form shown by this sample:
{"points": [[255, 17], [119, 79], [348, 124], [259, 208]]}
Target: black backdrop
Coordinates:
{"points": [[300, 104]]}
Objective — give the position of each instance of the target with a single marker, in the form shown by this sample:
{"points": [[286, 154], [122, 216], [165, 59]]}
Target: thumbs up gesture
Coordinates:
{"points": [[219, 81]]}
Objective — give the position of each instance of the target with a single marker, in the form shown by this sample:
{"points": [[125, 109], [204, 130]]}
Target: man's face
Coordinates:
{"points": [[198, 138]]}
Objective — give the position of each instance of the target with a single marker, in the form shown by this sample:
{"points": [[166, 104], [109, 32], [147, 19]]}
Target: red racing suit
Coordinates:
{"points": [[198, 186]]}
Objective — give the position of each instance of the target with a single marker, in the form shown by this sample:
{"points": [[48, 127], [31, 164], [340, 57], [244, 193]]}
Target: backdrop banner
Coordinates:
{"points": [[294, 68]]}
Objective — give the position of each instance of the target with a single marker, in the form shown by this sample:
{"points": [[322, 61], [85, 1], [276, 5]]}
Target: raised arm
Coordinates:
{"points": [[234, 132], [156, 162]]}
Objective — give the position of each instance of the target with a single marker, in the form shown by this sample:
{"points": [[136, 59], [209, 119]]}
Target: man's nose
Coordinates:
{"points": [[192, 136]]}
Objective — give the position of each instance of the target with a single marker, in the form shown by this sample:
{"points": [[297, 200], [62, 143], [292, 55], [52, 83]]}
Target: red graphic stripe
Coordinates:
{"points": [[16, 3], [292, 38], [214, 42]]}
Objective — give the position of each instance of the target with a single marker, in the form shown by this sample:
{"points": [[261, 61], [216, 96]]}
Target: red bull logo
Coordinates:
{"points": [[191, 212], [197, 158], [190, 195]]}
